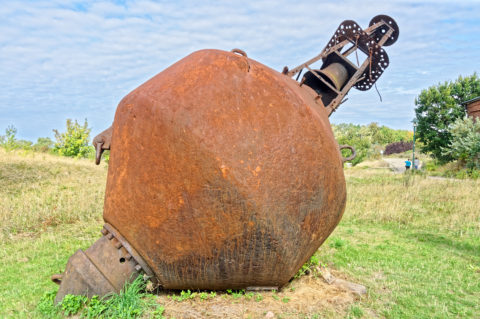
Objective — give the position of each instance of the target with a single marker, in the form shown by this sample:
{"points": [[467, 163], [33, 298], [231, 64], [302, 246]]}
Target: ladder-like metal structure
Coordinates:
{"points": [[382, 31]]}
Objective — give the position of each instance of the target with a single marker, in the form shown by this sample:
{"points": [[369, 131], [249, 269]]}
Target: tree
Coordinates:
{"points": [[438, 107], [465, 142], [9, 140], [75, 141], [382, 135], [44, 144]]}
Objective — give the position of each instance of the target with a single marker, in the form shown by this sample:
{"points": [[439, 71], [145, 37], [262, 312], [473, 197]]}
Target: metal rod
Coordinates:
{"points": [[351, 50], [385, 37], [323, 54], [413, 149], [373, 27], [298, 76]]}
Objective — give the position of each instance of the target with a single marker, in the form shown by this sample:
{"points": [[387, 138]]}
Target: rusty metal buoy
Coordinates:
{"points": [[223, 173]]}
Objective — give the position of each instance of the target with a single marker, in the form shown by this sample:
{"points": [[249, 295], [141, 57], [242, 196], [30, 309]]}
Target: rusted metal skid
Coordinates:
{"points": [[224, 173], [103, 268]]}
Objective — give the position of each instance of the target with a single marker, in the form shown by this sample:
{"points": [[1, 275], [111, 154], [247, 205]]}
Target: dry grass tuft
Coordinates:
{"points": [[306, 297], [39, 190], [414, 200]]}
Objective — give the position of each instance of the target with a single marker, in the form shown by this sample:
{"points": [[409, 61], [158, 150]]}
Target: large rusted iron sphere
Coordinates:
{"points": [[223, 173]]}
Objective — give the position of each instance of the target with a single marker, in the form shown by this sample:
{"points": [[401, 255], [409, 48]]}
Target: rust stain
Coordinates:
{"points": [[224, 170]]}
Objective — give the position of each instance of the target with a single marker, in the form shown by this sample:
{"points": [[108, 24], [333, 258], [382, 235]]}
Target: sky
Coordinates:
{"points": [[78, 59]]}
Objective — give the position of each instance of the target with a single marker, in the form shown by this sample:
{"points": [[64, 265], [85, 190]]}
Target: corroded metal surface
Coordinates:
{"points": [[382, 31], [103, 268], [102, 142], [225, 173]]}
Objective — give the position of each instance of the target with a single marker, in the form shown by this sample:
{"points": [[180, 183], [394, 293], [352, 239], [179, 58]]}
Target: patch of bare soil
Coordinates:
{"points": [[302, 298]]}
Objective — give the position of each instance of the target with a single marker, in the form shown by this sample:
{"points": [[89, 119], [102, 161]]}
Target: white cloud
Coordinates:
{"points": [[78, 59]]}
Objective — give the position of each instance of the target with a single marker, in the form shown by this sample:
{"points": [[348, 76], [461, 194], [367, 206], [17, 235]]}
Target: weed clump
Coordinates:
{"points": [[186, 295], [308, 267], [131, 302], [72, 304], [46, 305]]}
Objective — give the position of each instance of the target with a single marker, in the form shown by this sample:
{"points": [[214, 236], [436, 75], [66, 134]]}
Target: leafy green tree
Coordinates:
{"points": [[24, 144], [465, 142], [75, 141], [383, 135], [44, 144], [438, 107]]}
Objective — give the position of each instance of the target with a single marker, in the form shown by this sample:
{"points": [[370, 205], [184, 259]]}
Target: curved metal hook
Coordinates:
{"points": [[241, 52], [98, 152], [57, 278], [351, 157]]}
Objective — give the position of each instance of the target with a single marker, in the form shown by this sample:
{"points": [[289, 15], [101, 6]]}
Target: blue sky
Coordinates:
{"points": [[78, 59]]}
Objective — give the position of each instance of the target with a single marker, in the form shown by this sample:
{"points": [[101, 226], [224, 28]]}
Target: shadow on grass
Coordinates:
{"points": [[439, 240]]}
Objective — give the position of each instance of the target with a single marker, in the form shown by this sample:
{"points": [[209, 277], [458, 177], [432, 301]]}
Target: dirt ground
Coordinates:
{"points": [[396, 164], [308, 297]]}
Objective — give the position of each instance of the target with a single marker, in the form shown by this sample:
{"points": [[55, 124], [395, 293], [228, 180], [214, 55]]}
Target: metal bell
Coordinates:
{"points": [[336, 73]]}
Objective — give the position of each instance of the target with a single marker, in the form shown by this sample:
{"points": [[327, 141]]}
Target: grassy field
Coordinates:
{"points": [[413, 241]]}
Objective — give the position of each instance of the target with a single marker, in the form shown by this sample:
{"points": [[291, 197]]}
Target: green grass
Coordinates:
{"points": [[50, 207], [26, 264], [414, 242], [411, 272], [38, 191], [130, 302]]}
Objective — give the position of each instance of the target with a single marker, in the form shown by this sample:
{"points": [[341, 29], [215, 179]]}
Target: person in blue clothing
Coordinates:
{"points": [[408, 164]]}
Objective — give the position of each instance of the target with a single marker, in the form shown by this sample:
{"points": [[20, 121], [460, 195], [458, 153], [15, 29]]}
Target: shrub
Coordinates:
{"points": [[398, 147], [9, 140], [72, 304], [130, 302], [431, 166], [44, 144], [308, 267], [75, 141], [23, 144], [465, 142]]}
